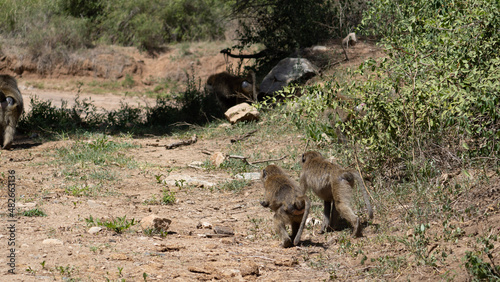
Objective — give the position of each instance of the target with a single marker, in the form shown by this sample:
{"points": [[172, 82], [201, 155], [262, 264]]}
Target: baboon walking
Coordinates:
{"points": [[11, 108], [290, 204], [334, 185]]}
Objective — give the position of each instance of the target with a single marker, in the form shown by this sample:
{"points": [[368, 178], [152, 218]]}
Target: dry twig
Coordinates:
{"points": [[182, 143]]}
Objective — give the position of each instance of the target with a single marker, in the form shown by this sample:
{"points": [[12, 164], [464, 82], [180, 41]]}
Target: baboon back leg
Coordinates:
{"points": [[8, 136], [326, 216], [335, 219], [346, 212], [295, 229], [280, 228]]}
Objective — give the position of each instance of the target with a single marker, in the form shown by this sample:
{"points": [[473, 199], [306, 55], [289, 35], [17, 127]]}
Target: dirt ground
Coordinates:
{"points": [[191, 250]]}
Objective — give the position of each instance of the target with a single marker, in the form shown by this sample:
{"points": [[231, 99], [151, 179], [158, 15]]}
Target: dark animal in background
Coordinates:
{"points": [[231, 90]]}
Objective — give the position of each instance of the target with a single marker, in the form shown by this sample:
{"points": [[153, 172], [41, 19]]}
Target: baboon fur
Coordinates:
{"points": [[284, 196], [334, 185], [11, 108], [231, 90]]}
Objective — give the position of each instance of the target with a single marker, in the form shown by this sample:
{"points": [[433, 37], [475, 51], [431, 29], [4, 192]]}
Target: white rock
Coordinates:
{"points": [[217, 159], [242, 112], [52, 242], [248, 176], [94, 230]]}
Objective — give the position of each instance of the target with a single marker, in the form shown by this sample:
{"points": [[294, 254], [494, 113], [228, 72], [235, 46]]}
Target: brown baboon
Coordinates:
{"points": [[231, 90], [290, 204], [11, 108], [334, 185]]}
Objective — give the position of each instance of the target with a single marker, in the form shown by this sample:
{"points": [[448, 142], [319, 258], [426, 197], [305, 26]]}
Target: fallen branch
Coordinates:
{"points": [[243, 137], [182, 143], [255, 162], [270, 160]]}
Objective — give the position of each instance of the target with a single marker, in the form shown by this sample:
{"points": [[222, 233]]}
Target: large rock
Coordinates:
{"points": [[286, 71], [242, 112]]}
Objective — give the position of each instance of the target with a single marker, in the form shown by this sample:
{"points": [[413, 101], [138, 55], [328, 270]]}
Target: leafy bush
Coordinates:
{"points": [[439, 85], [45, 25], [435, 95]]}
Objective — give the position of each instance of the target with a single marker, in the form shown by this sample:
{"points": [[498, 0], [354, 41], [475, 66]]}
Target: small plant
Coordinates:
{"points": [[153, 231], [68, 270], [117, 224], [31, 270], [477, 268], [120, 269], [34, 212], [158, 178], [168, 197], [180, 183], [234, 185]]}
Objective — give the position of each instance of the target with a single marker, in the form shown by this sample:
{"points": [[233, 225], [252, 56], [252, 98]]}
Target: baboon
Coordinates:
{"points": [[290, 204], [334, 185], [231, 90], [11, 108]]}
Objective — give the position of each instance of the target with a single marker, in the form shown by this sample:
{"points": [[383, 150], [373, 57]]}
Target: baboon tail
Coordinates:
{"points": [[303, 222], [364, 191]]}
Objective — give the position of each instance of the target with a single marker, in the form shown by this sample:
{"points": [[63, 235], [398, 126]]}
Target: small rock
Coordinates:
{"points": [[242, 112], [249, 269], [94, 230], [26, 205], [223, 230], [217, 159], [196, 269], [93, 204], [155, 222], [286, 262], [118, 256], [204, 225], [226, 241], [248, 176], [52, 242]]}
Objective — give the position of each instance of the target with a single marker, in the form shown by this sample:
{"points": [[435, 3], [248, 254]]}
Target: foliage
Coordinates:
{"points": [[46, 25], [435, 95], [193, 106], [34, 212], [117, 224], [439, 83], [477, 268]]}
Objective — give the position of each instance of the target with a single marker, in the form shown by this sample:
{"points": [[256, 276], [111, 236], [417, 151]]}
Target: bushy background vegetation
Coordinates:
{"points": [[72, 24]]}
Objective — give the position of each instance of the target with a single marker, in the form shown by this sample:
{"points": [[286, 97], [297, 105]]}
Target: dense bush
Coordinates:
{"points": [[434, 98], [145, 24]]}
